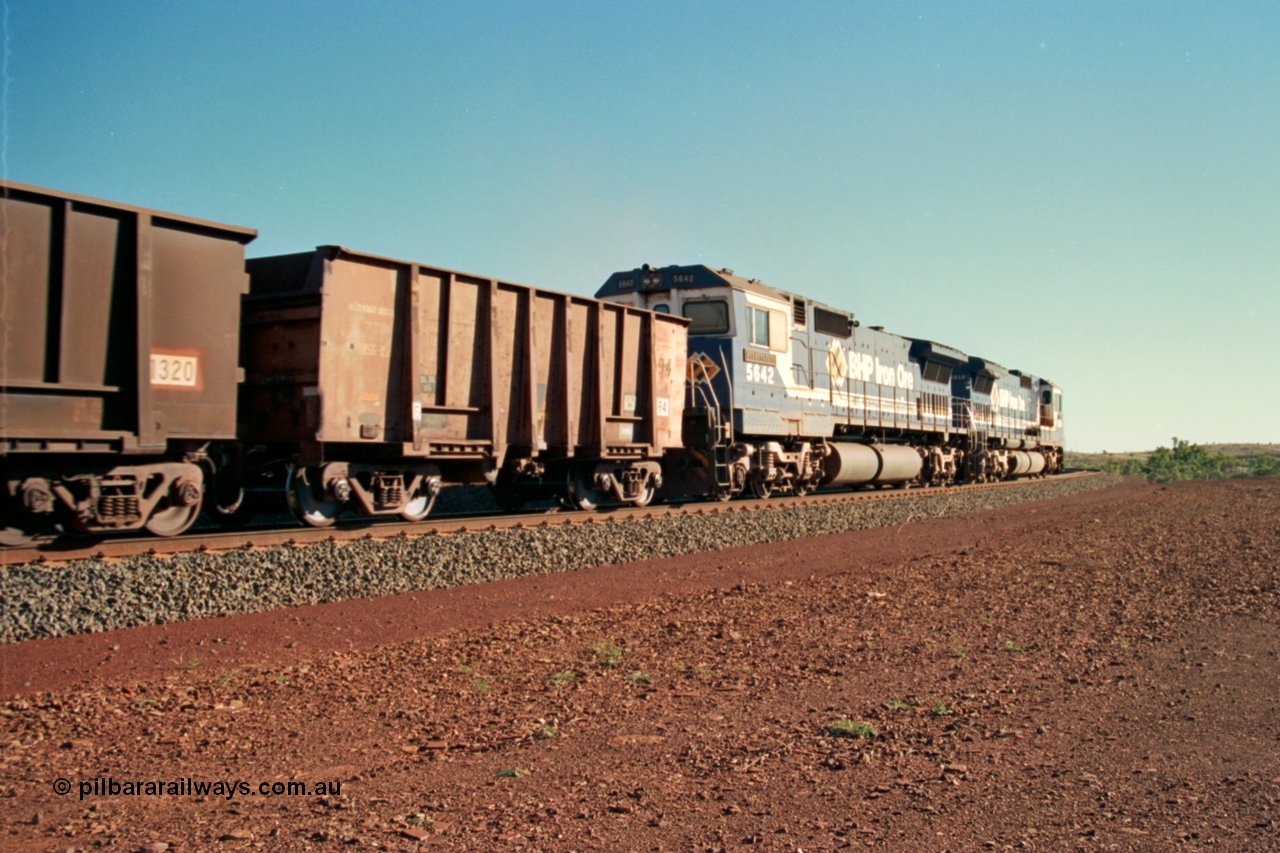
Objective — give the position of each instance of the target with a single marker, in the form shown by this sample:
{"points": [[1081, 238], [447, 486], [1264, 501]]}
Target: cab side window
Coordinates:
{"points": [[757, 326]]}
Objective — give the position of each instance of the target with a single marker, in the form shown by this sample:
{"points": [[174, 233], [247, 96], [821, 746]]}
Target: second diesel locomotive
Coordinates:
{"points": [[787, 394]]}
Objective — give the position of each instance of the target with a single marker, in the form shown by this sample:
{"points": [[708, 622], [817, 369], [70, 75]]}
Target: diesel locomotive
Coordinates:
{"points": [[148, 372], [788, 394]]}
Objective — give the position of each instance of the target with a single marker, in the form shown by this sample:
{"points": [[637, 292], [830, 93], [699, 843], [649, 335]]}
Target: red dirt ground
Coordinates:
{"points": [[1097, 672]]}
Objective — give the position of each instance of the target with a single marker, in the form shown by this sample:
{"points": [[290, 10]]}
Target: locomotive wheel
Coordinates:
{"points": [[800, 488], [419, 506], [760, 488], [582, 496], [303, 503], [172, 520]]}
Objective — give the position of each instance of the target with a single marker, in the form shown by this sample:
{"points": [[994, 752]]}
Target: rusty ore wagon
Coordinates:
{"points": [[371, 382]]}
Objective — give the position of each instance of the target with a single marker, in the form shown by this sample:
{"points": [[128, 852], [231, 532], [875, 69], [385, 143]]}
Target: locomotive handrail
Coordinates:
{"points": [[724, 364]]}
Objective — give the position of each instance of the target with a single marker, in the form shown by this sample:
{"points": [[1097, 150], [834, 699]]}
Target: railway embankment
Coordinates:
{"points": [[83, 596]]}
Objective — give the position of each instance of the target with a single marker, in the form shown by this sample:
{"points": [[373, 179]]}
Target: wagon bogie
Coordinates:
{"points": [[162, 497], [588, 484], [318, 494]]}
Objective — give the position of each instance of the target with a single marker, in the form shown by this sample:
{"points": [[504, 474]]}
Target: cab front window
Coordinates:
{"points": [[707, 318]]}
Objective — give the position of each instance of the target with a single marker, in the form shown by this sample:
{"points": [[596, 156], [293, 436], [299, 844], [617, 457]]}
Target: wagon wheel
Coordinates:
{"points": [[760, 488], [306, 506], [172, 519], [418, 506], [581, 495]]}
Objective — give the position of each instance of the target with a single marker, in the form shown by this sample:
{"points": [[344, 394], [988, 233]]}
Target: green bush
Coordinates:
{"points": [[1187, 461], [1264, 466]]}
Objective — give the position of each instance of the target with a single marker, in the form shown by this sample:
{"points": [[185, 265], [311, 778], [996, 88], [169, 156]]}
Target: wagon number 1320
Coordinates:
{"points": [[180, 370]]}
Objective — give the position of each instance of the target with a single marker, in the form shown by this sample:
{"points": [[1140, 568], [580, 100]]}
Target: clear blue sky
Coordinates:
{"points": [[1087, 191]]}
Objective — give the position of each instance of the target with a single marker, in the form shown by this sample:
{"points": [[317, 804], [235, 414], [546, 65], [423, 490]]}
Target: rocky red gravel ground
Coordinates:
{"points": [[1096, 672]]}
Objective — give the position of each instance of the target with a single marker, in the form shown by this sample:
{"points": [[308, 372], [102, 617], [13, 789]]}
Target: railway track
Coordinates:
{"points": [[67, 549]]}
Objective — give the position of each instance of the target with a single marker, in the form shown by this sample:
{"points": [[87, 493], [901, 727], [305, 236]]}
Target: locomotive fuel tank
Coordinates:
{"points": [[850, 464], [1026, 463]]}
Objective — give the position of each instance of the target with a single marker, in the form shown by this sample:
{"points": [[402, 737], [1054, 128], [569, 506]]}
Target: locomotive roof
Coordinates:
{"points": [[650, 279]]}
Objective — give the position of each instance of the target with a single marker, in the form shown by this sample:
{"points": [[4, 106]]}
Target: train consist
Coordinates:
{"points": [[149, 373]]}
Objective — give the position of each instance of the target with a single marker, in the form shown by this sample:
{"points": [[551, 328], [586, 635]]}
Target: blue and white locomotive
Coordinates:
{"points": [[787, 394]]}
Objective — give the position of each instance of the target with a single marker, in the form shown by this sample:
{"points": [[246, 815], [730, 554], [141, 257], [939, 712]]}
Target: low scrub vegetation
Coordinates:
{"points": [[1187, 461]]}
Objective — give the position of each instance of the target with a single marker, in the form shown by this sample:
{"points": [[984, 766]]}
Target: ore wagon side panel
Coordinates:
{"points": [[453, 340], [195, 331], [509, 359], [550, 376], [121, 324], [280, 395], [669, 356], [362, 346], [583, 426]]}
